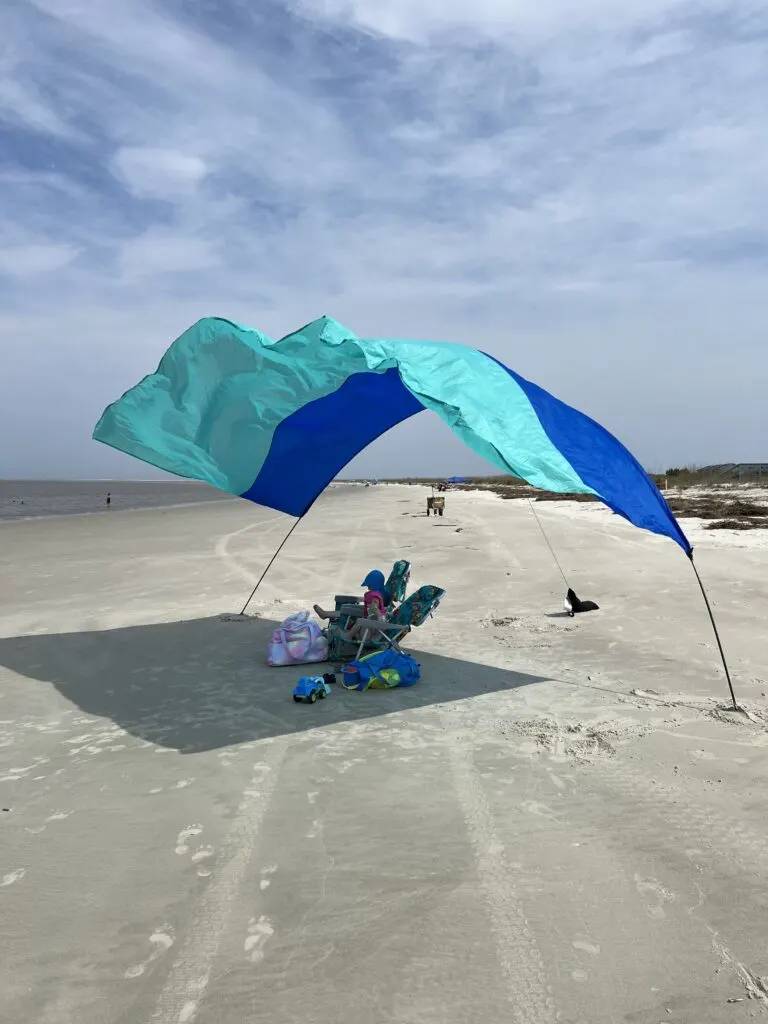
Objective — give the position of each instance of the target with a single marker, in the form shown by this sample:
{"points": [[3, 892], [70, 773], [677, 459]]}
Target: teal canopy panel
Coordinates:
{"points": [[275, 421]]}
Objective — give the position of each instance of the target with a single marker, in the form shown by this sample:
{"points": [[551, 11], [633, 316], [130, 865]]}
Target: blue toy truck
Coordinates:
{"points": [[310, 689]]}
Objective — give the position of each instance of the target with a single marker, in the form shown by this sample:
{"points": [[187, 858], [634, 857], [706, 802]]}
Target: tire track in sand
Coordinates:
{"points": [[222, 547], [190, 974], [270, 527], [518, 954], [696, 825], [634, 807]]}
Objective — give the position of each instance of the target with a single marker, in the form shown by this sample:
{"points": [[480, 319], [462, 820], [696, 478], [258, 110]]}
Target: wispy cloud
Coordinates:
{"points": [[149, 173], [579, 188], [21, 261]]}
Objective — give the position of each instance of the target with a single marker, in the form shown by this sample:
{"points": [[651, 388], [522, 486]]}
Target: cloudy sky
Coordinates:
{"points": [[579, 188]]}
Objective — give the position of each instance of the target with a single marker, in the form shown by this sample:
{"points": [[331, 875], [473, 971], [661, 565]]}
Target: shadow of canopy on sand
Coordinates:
{"points": [[202, 684]]}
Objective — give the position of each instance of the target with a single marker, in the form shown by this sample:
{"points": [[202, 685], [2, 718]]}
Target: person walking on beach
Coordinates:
{"points": [[109, 499]]}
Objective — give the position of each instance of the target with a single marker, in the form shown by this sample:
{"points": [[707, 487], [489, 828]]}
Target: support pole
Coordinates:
{"points": [[716, 631], [271, 563]]}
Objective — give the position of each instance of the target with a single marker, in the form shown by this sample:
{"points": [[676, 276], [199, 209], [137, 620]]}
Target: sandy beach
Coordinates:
{"points": [[559, 823]]}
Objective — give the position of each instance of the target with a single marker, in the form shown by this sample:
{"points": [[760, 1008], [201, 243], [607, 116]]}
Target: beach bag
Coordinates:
{"points": [[297, 641], [382, 670]]}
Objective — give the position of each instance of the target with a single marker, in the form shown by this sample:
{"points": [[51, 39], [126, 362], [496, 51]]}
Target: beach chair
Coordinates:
{"points": [[397, 582], [414, 611], [350, 607]]}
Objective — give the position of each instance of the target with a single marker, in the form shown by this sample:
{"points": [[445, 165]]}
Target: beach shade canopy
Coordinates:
{"points": [[457, 480], [275, 421]]}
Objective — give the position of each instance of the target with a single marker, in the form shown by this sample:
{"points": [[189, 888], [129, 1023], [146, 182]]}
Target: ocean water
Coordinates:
{"points": [[21, 499]]}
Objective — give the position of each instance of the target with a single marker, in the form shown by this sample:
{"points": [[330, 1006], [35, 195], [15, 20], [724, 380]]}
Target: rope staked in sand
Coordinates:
{"points": [[190, 974], [516, 948]]}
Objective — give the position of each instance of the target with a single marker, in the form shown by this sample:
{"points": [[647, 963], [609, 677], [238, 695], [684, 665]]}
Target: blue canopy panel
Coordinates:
{"points": [[593, 451], [275, 422], [336, 427]]}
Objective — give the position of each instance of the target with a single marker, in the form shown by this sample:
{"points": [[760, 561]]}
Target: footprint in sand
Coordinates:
{"points": [[265, 879], [260, 772], [649, 886], [201, 858], [161, 941], [592, 948], [58, 816], [14, 876], [182, 845], [259, 933]]}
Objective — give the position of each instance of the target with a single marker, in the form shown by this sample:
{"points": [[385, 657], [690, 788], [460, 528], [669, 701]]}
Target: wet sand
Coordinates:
{"points": [[559, 823]]}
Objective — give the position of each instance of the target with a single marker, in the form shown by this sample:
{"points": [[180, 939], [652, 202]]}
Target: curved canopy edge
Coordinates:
{"points": [[276, 421]]}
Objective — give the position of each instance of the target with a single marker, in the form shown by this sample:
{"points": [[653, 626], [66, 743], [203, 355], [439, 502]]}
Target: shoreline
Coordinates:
{"points": [[215, 497], [119, 511]]}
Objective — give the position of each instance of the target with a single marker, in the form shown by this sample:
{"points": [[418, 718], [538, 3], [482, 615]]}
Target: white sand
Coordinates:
{"points": [[695, 529], [556, 824]]}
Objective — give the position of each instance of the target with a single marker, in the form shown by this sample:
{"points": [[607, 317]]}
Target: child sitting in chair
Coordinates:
{"points": [[375, 600], [374, 608]]}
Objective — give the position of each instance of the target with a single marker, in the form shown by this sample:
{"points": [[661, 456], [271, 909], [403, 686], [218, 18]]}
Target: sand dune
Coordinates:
{"points": [[560, 823]]}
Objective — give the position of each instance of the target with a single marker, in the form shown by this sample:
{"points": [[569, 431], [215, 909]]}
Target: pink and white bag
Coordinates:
{"points": [[297, 641]]}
